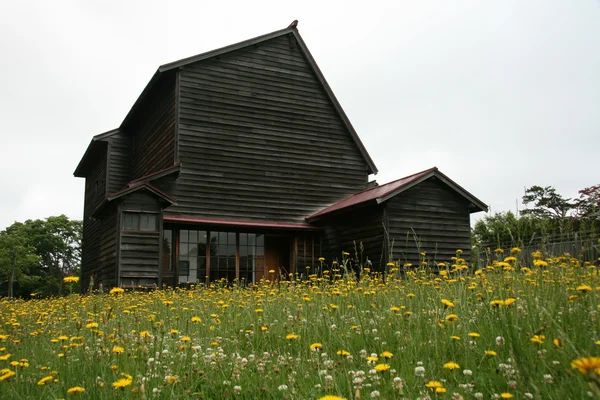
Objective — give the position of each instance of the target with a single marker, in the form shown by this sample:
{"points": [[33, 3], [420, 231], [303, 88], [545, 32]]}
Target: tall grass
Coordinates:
{"points": [[508, 329]]}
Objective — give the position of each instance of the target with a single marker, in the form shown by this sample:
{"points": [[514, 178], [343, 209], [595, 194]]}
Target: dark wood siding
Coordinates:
{"points": [[93, 229], [348, 231], [119, 162], [140, 250], [152, 130], [429, 217], [260, 139]]}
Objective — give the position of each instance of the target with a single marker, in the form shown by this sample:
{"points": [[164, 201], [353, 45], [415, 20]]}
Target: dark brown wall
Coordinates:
{"points": [[259, 138], [140, 250], [93, 229], [152, 130], [363, 225], [119, 161], [437, 215]]}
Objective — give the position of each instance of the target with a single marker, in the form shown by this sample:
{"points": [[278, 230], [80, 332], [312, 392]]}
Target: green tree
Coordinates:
{"points": [[588, 203], [44, 252], [546, 203]]}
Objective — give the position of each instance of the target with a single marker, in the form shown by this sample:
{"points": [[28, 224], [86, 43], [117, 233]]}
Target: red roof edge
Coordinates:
{"points": [[370, 194], [158, 174], [240, 223], [138, 186]]}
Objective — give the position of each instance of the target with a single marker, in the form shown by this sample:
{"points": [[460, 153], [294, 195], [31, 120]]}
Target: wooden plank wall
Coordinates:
{"points": [[259, 139], [107, 250], [439, 217], [363, 225], [140, 250], [152, 130], [119, 164], [95, 184]]}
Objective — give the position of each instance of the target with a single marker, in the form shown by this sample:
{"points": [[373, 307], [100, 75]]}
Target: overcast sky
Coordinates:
{"points": [[499, 95]]}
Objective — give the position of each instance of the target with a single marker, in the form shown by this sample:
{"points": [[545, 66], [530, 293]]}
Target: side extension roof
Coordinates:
{"points": [[387, 191]]}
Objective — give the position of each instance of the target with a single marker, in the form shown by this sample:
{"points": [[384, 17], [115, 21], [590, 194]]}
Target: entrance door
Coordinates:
{"points": [[277, 255]]}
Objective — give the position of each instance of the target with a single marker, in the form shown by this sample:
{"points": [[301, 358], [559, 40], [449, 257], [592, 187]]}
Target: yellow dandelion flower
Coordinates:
{"points": [[45, 379], [118, 349], [292, 336], [447, 303], [332, 397], [456, 338], [584, 288], [185, 339], [387, 354], [121, 383], [196, 319], [451, 318], [506, 395], [6, 374], [343, 353], [474, 334], [316, 346], [451, 365], [490, 353], [76, 389], [539, 339], [586, 364], [382, 367], [433, 384]]}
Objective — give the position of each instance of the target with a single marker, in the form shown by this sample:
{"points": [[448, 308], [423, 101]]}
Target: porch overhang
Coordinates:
{"points": [[240, 223]]}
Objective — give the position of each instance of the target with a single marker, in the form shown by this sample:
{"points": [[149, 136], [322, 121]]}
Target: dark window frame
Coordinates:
{"points": [[138, 224]]}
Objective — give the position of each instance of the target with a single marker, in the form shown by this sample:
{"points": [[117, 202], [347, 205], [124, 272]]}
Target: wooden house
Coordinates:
{"points": [[238, 161]]}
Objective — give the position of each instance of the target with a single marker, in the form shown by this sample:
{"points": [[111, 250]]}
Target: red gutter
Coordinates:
{"points": [[240, 223]]}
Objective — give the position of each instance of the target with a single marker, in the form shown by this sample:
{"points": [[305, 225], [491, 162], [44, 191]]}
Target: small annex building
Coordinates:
{"points": [[241, 160]]}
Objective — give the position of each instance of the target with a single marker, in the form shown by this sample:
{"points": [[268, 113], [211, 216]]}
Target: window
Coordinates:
{"points": [[192, 256], [136, 221], [252, 247]]}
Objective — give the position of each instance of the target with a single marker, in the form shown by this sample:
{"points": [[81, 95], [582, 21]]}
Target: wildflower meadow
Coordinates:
{"points": [[445, 331]]}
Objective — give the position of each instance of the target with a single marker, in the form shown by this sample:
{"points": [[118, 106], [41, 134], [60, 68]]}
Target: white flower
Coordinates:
{"points": [[529, 395], [420, 371], [237, 389], [467, 372], [374, 394], [282, 388], [499, 341], [478, 395]]}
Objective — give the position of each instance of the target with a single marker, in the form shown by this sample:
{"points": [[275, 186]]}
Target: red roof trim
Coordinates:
{"points": [[142, 185], [374, 193], [240, 223], [163, 172]]}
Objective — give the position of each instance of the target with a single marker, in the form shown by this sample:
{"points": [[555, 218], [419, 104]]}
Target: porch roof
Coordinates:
{"points": [[240, 223]]}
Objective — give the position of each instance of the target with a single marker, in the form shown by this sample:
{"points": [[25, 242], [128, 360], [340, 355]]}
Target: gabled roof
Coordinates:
{"points": [[381, 193], [141, 186], [132, 188], [290, 30], [97, 144]]}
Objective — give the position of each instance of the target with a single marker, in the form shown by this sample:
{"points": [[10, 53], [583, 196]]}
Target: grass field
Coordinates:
{"points": [[506, 331]]}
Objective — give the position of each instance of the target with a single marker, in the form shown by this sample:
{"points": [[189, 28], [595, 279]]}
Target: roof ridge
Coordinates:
{"points": [[394, 181]]}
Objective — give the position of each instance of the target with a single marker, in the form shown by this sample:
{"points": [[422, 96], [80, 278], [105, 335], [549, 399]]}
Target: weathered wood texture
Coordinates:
{"points": [[140, 250], [348, 231], [93, 229], [119, 161], [429, 217], [260, 139], [152, 130]]}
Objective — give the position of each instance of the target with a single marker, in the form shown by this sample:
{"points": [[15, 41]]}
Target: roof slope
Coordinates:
{"points": [[290, 30], [387, 191]]}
